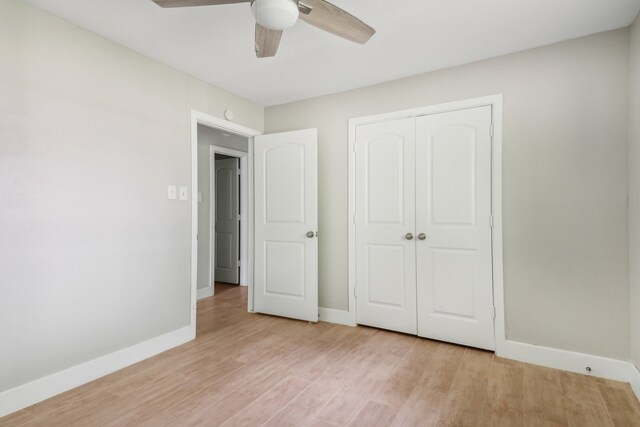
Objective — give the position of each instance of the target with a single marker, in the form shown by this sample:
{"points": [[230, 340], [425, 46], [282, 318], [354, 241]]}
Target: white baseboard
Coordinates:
{"points": [[205, 292], [340, 317], [43, 388], [604, 367]]}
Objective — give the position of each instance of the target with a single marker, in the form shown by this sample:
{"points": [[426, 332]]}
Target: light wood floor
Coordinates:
{"points": [[250, 369]]}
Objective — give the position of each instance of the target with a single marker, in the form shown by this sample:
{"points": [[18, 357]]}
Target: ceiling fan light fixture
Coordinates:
{"points": [[275, 14]]}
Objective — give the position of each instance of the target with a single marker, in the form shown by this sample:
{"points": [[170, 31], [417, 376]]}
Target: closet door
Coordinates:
{"points": [[453, 200], [385, 223]]}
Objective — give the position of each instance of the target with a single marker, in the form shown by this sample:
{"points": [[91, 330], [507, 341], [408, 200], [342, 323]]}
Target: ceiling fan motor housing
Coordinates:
{"points": [[275, 14]]}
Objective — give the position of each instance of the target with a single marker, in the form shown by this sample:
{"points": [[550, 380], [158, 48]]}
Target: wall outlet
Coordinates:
{"points": [[184, 193], [172, 192]]}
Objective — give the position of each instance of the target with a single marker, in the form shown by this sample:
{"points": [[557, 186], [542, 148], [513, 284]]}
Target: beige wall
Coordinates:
{"points": [[565, 183], [634, 191], [206, 138], [94, 258]]}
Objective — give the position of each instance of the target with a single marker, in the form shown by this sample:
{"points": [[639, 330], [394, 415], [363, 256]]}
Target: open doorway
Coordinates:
{"points": [[208, 131], [222, 210], [272, 203]]}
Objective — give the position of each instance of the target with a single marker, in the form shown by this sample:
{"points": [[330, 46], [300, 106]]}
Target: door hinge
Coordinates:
{"points": [[355, 292], [491, 221], [491, 131], [355, 147], [354, 218], [493, 313], [239, 263]]}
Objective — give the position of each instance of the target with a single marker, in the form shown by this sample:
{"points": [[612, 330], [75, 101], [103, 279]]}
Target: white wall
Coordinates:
{"points": [[93, 258], [565, 183], [634, 191], [206, 138]]}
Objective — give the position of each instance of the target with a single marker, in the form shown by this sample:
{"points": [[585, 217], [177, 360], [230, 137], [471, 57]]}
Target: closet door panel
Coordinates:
{"points": [[453, 202], [385, 214]]}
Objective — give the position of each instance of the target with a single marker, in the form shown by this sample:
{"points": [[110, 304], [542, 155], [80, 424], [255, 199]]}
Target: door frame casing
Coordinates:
{"points": [[243, 200], [199, 118], [495, 101]]}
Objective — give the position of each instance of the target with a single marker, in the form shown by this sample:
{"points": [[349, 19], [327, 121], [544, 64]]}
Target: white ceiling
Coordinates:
{"points": [[215, 43]]}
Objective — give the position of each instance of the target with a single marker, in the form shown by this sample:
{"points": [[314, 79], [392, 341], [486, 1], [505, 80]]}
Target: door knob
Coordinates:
{"points": [[310, 234], [408, 236], [422, 236]]}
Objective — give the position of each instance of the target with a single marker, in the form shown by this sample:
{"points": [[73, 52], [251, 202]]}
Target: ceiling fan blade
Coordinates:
{"points": [[331, 18], [267, 41], [187, 3]]}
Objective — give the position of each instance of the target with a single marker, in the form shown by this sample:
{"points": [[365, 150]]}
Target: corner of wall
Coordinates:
{"points": [[634, 190]]}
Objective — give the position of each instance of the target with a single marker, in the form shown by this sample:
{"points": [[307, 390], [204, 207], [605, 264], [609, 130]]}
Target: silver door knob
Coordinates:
{"points": [[422, 236], [310, 234], [408, 236]]}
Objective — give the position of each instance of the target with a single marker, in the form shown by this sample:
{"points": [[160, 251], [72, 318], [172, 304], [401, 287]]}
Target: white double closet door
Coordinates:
{"points": [[423, 226]]}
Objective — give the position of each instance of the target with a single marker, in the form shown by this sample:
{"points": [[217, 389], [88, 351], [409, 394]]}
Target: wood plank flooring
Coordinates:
{"points": [[251, 370]]}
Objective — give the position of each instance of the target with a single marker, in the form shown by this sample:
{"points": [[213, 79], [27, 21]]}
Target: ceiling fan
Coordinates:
{"points": [[274, 16]]}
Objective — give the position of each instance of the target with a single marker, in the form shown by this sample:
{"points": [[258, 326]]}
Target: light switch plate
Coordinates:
{"points": [[172, 192], [184, 193]]}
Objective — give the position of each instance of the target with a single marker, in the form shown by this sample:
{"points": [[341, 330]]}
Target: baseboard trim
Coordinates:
{"points": [[41, 389], [205, 292], [604, 367], [340, 317]]}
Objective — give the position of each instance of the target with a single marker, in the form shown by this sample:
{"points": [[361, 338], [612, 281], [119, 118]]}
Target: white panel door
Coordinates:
{"points": [[453, 203], [227, 221], [385, 223], [286, 224]]}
